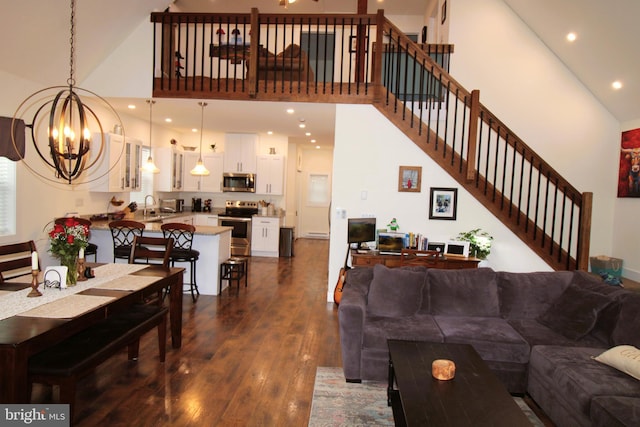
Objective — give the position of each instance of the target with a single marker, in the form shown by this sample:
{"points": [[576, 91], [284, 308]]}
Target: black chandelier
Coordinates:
{"points": [[70, 149]]}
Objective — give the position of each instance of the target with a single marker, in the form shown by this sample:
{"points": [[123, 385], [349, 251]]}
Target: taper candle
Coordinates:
{"points": [[81, 253], [34, 260]]}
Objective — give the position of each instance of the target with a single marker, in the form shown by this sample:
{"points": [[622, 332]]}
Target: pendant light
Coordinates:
{"points": [[199, 169], [149, 166], [69, 149]]}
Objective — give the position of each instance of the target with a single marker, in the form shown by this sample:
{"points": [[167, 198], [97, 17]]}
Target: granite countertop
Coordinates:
{"points": [[154, 222]]}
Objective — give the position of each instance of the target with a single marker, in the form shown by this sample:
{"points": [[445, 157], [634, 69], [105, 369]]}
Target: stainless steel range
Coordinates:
{"points": [[238, 215]]}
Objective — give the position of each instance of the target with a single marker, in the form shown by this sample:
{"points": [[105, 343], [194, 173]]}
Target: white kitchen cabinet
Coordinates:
{"points": [[206, 219], [270, 175], [170, 161], [211, 183], [265, 236], [119, 164], [240, 152]]}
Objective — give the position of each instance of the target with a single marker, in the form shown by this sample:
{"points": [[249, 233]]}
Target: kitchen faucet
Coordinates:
{"points": [[144, 211]]}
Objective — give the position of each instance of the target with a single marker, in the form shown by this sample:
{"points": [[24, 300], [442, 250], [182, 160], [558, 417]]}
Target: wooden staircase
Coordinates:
{"points": [[407, 82]]}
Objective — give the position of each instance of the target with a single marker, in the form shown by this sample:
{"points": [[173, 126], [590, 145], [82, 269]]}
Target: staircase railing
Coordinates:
{"points": [[506, 175], [366, 59]]}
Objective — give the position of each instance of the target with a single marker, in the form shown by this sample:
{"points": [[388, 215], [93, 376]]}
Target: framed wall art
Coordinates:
{"points": [[443, 203], [629, 169], [409, 178]]}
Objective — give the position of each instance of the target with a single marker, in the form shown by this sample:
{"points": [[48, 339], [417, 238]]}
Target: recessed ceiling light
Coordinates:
{"points": [[131, 107], [168, 120], [317, 147], [194, 130], [617, 85], [290, 110], [269, 132], [571, 37], [302, 125], [313, 141], [308, 133]]}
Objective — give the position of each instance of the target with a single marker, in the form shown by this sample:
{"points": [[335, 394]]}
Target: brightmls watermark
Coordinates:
{"points": [[35, 415]]}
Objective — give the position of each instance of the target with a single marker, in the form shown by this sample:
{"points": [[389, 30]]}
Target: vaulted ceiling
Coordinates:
{"points": [[36, 36]]}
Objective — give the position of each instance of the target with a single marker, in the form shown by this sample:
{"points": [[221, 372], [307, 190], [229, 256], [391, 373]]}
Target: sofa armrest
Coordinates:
{"points": [[351, 314]]}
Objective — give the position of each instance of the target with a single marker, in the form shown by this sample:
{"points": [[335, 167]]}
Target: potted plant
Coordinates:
{"points": [[479, 242]]}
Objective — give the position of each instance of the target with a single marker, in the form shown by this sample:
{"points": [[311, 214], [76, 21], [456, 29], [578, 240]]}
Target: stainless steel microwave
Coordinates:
{"points": [[239, 182]]}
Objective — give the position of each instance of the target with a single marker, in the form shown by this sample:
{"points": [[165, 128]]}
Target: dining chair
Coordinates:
{"points": [[123, 232], [182, 251], [151, 250], [92, 248], [15, 260]]}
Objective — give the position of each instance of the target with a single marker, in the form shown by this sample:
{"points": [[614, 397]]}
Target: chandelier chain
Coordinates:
{"points": [[71, 81]]}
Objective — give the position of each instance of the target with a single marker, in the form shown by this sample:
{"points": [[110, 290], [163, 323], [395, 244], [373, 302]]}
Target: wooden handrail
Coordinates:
{"points": [[374, 62]]}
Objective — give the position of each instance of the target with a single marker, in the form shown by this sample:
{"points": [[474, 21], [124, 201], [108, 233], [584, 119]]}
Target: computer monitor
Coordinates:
{"points": [[361, 230]]}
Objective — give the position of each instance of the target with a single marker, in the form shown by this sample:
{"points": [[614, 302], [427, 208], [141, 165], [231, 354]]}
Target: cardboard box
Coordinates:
{"points": [[604, 264]]}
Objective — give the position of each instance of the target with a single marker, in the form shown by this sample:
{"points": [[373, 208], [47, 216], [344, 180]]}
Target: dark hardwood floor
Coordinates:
{"points": [[248, 357]]}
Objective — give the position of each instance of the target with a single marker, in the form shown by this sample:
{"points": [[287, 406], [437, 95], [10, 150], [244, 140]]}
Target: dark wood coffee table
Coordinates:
{"points": [[475, 397]]}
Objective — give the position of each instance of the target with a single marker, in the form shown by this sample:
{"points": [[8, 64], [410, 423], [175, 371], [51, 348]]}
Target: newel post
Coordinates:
{"points": [[584, 232], [376, 77], [472, 146], [253, 52]]}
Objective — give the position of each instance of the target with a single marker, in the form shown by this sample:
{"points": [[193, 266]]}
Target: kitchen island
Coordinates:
{"points": [[213, 243]]}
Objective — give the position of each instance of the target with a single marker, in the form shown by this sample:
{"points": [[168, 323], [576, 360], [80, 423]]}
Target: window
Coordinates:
{"points": [[146, 177], [7, 197], [318, 190]]}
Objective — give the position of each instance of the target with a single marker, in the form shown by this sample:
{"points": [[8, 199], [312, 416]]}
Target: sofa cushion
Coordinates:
{"points": [[575, 312], [395, 292], [291, 51], [377, 330], [528, 295], [625, 358], [615, 411], [492, 337], [465, 292], [626, 330], [535, 333], [572, 376]]}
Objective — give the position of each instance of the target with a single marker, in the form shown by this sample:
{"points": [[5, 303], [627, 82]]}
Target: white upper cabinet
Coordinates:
{"points": [[211, 183], [118, 168], [240, 152], [170, 161], [270, 175]]}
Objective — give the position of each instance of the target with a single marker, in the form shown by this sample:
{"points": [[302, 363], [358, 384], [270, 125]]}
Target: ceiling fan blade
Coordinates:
{"points": [[283, 2]]}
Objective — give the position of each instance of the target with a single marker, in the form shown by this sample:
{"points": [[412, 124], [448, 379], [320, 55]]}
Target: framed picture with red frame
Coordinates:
{"points": [[629, 171]]}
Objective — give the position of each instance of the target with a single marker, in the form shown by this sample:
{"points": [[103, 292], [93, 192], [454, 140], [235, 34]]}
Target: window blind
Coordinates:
{"points": [[7, 197]]}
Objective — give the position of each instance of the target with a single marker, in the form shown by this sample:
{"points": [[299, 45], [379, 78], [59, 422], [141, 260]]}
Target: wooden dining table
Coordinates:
{"points": [[25, 334]]}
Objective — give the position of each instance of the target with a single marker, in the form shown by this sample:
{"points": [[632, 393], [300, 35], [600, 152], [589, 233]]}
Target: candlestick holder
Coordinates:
{"points": [[81, 268], [34, 285]]}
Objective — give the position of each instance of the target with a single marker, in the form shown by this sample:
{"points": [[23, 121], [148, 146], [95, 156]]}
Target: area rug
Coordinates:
{"points": [[338, 403]]}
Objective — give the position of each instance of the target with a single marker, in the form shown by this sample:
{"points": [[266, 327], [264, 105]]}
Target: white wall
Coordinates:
{"points": [[525, 85], [366, 160], [626, 242]]}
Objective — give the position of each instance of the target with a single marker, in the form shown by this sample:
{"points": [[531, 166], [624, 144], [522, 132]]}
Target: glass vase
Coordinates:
{"points": [[71, 262]]}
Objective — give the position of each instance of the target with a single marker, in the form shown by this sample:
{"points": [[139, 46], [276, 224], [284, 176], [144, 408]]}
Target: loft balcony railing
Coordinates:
{"points": [[366, 59], [240, 56]]}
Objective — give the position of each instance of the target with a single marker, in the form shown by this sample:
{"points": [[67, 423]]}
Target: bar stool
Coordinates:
{"points": [[182, 252], [123, 232], [233, 270]]}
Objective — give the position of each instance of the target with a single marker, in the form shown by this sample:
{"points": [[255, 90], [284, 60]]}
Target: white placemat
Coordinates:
{"points": [[69, 307], [5, 293], [17, 302], [128, 283]]}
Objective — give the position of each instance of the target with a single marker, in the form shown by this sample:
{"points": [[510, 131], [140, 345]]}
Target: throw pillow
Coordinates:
{"points": [[575, 312], [625, 358], [395, 292]]}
